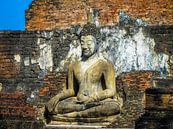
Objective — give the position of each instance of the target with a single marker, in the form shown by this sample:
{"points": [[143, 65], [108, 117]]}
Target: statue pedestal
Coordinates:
{"points": [[84, 122], [79, 127], [158, 110], [72, 127]]}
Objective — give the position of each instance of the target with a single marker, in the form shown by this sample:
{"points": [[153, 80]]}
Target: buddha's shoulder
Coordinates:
{"points": [[74, 64], [104, 62]]}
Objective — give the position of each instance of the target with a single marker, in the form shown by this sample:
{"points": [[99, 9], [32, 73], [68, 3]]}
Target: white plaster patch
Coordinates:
{"points": [[131, 53], [17, 58], [126, 52], [73, 55], [38, 41], [32, 95], [45, 59], [1, 87], [33, 61], [27, 61]]}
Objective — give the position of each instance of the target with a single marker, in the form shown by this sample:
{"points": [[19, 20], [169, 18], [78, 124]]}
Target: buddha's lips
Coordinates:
{"points": [[86, 51]]}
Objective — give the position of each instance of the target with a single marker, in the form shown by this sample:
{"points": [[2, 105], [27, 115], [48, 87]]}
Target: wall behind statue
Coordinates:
{"points": [[26, 57]]}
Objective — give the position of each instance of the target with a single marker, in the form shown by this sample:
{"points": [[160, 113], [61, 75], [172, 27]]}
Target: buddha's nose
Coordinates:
{"points": [[84, 47]]}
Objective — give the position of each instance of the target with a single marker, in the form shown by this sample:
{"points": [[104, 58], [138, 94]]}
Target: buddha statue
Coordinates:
{"points": [[91, 93]]}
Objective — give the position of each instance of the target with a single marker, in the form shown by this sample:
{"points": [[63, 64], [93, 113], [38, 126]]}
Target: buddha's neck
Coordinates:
{"points": [[85, 64], [88, 59]]}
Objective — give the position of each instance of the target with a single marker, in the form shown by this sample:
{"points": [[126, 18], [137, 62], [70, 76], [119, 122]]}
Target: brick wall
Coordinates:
{"points": [[50, 14], [20, 52], [14, 105], [15, 75], [163, 36], [54, 83], [14, 48], [8, 48], [159, 107], [131, 87]]}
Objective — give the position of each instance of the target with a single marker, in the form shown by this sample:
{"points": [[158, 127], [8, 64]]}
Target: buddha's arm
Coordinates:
{"points": [[110, 90], [69, 91]]}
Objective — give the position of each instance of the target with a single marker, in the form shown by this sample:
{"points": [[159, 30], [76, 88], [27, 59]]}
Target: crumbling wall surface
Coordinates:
{"points": [[50, 14], [18, 79], [15, 49], [26, 68], [163, 36], [9, 58], [131, 87], [27, 57], [35, 64]]}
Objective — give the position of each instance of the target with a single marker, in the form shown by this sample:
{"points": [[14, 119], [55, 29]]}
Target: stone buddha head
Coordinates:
{"points": [[88, 46]]}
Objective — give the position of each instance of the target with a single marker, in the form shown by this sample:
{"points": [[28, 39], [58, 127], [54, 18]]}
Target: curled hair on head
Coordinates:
{"points": [[90, 29]]}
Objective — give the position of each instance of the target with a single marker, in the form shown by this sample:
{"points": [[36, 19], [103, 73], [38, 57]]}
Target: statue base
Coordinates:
{"points": [[51, 126], [79, 127], [100, 121]]}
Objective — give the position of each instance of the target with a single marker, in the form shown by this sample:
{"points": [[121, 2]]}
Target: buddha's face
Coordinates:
{"points": [[88, 45]]}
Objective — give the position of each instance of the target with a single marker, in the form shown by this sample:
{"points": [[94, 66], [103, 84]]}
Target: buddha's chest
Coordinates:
{"points": [[91, 74]]}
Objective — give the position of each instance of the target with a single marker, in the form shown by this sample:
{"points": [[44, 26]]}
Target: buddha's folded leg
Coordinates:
{"points": [[68, 105], [72, 105], [107, 107]]}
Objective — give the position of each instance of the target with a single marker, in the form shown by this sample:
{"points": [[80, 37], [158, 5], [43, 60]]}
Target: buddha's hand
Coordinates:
{"points": [[90, 99], [50, 105], [82, 98], [86, 99]]}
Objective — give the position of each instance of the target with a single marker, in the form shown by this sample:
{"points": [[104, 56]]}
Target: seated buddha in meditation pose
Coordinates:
{"points": [[91, 90]]}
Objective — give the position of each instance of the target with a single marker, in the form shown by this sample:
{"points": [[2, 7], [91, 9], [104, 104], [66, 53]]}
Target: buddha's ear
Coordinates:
{"points": [[96, 47]]}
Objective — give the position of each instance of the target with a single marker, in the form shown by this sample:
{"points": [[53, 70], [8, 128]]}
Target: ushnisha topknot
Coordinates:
{"points": [[90, 29]]}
